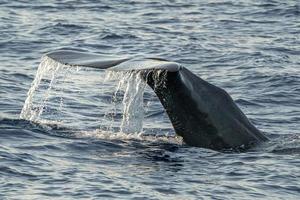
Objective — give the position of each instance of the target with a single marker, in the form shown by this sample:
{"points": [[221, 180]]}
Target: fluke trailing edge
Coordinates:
{"points": [[203, 114]]}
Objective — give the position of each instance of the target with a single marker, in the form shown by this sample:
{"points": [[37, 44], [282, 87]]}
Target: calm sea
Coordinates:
{"points": [[73, 148]]}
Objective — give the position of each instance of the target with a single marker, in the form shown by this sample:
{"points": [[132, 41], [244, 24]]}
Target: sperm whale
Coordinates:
{"points": [[203, 114]]}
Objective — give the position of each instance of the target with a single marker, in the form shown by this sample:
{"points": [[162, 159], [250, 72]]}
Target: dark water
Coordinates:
{"points": [[249, 48]]}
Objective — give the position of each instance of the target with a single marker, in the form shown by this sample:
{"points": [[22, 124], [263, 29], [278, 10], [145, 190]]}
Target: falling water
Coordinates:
{"points": [[32, 110], [133, 109], [50, 71]]}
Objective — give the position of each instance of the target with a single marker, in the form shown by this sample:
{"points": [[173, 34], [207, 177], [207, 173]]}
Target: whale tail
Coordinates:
{"points": [[203, 114]]}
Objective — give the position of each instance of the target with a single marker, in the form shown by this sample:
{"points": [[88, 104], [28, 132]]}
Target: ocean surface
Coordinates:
{"points": [[71, 143]]}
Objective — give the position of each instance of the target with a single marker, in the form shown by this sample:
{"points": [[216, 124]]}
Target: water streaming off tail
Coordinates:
{"points": [[46, 76], [112, 103], [133, 109]]}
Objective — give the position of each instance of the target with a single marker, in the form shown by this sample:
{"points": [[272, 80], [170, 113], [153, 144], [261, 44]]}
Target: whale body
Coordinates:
{"points": [[203, 114]]}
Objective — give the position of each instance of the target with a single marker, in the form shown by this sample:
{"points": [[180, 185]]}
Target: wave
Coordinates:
{"points": [[287, 144], [244, 102], [115, 36]]}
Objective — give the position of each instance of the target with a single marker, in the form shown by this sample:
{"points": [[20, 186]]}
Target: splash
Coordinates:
{"points": [[108, 135], [133, 109], [128, 106], [48, 68]]}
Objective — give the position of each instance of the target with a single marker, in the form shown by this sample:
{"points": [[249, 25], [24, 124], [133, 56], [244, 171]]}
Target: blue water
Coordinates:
{"points": [[74, 149]]}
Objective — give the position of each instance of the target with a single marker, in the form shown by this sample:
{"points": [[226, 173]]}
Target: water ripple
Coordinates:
{"points": [[250, 48]]}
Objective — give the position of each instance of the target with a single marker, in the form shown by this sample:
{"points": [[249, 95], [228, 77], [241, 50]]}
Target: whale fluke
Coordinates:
{"points": [[76, 58], [203, 114]]}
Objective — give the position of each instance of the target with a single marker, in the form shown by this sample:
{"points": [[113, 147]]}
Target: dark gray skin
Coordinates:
{"points": [[203, 114]]}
